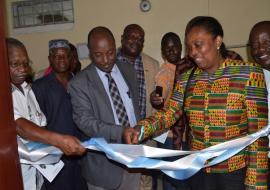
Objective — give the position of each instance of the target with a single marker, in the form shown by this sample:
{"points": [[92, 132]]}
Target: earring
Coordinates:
{"points": [[218, 47]]}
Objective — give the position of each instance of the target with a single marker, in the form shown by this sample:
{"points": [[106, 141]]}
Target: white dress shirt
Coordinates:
{"points": [[25, 106]]}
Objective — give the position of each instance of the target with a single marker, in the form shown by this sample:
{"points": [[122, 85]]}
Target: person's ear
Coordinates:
{"points": [[219, 41]]}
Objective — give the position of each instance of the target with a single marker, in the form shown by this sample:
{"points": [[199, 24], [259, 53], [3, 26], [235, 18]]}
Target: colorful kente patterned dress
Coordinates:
{"points": [[227, 104]]}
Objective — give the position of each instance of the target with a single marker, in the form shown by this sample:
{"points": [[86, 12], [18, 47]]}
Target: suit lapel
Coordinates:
{"points": [[97, 85], [126, 74], [131, 83]]}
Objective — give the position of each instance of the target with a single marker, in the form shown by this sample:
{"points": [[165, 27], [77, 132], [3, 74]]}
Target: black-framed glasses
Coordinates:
{"points": [[22, 64]]}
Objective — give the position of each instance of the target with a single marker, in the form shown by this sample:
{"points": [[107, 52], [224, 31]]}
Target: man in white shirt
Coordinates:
{"points": [[29, 119]]}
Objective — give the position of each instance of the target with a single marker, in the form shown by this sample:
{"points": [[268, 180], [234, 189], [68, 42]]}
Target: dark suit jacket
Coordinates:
{"points": [[93, 114]]}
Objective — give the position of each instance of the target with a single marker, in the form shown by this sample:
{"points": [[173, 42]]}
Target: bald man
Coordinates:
{"points": [[259, 40], [146, 68], [95, 112]]}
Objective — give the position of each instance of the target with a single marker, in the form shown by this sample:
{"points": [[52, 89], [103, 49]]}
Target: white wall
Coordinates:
{"points": [[236, 16]]}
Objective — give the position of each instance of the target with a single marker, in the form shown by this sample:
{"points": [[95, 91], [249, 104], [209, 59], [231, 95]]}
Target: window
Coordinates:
{"points": [[41, 12]]}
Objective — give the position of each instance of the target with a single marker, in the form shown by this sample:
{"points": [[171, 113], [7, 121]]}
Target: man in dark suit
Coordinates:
{"points": [[54, 101], [95, 112]]}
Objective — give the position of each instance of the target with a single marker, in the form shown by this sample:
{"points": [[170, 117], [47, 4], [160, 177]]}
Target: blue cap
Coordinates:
{"points": [[58, 43]]}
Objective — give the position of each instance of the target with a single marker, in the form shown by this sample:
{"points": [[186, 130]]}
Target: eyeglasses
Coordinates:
{"points": [[23, 64]]}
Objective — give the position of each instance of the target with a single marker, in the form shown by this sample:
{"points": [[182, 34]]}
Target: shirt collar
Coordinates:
{"points": [[170, 65], [123, 58], [102, 73], [24, 85]]}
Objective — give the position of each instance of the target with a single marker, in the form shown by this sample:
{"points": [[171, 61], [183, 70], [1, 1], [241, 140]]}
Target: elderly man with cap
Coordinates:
{"points": [[55, 103], [29, 119]]}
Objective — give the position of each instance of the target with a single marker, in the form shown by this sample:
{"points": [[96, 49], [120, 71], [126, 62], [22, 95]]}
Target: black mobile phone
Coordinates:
{"points": [[159, 90]]}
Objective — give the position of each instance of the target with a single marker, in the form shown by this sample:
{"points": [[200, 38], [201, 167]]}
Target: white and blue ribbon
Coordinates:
{"points": [[37, 153], [141, 156]]}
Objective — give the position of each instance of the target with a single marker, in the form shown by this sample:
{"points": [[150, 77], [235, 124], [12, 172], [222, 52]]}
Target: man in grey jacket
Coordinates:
{"points": [[95, 112]]}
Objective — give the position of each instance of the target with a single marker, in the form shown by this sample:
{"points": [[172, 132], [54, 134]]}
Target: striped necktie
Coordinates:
{"points": [[117, 102]]}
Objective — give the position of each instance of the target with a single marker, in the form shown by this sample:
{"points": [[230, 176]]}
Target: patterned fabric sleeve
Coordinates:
{"points": [[166, 117], [257, 110]]}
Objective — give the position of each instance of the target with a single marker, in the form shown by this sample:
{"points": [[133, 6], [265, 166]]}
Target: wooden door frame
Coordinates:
{"points": [[10, 172]]}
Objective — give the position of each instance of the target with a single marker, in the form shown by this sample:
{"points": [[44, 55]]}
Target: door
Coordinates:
{"points": [[10, 172]]}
